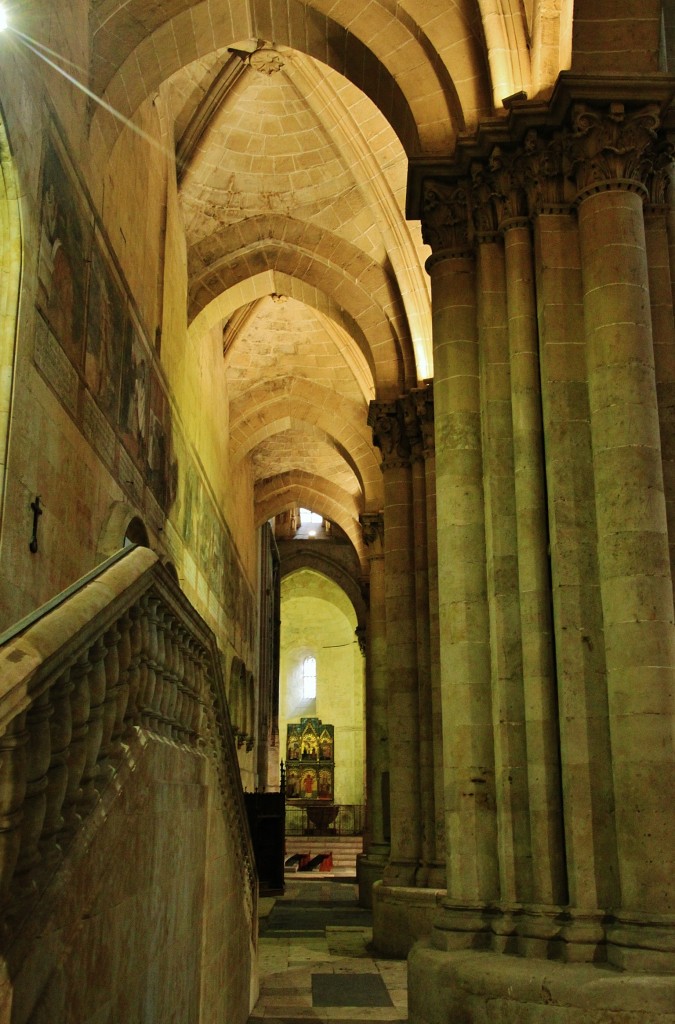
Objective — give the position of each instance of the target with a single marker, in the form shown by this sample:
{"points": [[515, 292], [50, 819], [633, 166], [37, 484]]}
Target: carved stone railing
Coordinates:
{"points": [[123, 650]]}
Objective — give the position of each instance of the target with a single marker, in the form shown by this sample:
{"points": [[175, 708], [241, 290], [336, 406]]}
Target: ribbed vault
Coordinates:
{"points": [[292, 124]]}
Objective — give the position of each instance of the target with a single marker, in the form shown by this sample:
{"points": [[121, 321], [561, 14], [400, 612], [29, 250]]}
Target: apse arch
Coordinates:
{"points": [[426, 113], [11, 265]]}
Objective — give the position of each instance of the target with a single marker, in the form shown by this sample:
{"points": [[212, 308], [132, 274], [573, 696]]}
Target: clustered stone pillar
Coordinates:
{"points": [[468, 748], [404, 615], [634, 563], [403, 710], [552, 295]]}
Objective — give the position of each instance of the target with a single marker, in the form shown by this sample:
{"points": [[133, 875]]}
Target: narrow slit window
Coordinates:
{"points": [[309, 678]]}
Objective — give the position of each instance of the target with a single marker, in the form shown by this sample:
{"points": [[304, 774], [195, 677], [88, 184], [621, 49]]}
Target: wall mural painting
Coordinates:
{"points": [[65, 244], [134, 391], [123, 408], [209, 540], [107, 328], [162, 466], [310, 764]]}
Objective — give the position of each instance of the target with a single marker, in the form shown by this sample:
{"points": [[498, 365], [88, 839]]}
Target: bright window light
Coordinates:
{"points": [[309, 678], [4, 19]]}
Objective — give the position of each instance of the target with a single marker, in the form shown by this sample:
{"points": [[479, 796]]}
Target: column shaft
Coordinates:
{"points": [[584, 726], [437, 875], [635, 578], [663, 329], [508, 709], [471, 841], [426, 751], [403, 706], [541, 710]]}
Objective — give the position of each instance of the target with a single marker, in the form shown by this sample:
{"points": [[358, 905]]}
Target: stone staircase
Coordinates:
{"points": [[344, 850]]}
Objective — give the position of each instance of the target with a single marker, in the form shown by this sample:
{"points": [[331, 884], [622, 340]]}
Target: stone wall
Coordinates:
{"points": [[143, 921]]}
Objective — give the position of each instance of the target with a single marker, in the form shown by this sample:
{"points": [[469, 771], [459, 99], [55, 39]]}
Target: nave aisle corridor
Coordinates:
{"points": [[316, 963]]}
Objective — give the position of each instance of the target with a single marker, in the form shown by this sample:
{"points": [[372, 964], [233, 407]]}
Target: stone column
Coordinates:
{"points": [[608, 153], [508, 710], [370, 867], [426, 752], [403, 708], [471, 840], [663, 331], [534, 582], [424, 402], [577, 612]]}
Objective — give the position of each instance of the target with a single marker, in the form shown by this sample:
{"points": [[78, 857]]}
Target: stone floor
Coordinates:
{"points": [[316, 962]]}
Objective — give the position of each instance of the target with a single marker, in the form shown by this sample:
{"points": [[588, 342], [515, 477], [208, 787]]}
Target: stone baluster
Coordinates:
{"points": [[468, 750], [61, 728], [97, 683], [610, 151], [77, 751], [136, 672], [167, 698], [162, 675], [111, 666], [191, 683], [38, 757], [13, 780], [124, 655], [182, 709], [149, 646], [403, 703]]}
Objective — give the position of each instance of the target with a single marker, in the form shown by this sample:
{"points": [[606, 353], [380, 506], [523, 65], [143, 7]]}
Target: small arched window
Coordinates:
{"points": [[309, 678]]}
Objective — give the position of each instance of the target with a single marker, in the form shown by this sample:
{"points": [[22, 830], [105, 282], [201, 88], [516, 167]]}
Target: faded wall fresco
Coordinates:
{"points": [[93, 351], [112, 386]]}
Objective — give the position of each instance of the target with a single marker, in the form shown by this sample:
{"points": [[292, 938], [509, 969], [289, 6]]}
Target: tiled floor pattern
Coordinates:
{"points": [[316, 963]]}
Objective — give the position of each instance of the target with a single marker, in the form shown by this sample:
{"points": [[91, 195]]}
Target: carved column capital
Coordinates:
{"points": [[372, 526], [508, 191], [412, 427], [548, 189], [445, 219], [611, 148], [483, 211], [389, 435], [424, 404]]}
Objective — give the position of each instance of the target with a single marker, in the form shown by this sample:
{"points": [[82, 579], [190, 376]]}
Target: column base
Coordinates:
{"points": [[370, 869], [478, 985], [401, 916], [639, 943]]}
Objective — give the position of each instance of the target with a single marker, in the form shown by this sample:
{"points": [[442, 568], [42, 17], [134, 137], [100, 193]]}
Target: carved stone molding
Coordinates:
{"points": [[612, 148]]}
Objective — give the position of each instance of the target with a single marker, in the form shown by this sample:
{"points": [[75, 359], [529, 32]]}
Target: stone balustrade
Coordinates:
{"points": [[124, 652]]}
